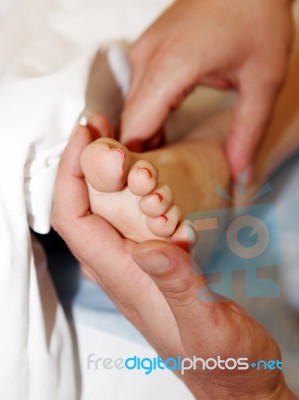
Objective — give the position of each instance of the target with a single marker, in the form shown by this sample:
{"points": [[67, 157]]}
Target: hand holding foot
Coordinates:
{"points": [[146, 196], [222, 44], [164, 289]]}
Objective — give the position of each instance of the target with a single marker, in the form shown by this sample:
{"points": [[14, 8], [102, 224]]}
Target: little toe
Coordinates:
{"points": [[105, 165], [142, 178], [157, 202], [165, 224], [185, 235]]}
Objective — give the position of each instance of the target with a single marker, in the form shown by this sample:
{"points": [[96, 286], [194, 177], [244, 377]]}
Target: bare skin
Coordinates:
{"points": [[221, 44], [163, 288], [184, 174], [157, 291], [146, 196], [190, 168]]}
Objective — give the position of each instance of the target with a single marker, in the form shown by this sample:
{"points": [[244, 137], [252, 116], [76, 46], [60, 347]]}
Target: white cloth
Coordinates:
{"points": [[46, 49], [123, 384]]}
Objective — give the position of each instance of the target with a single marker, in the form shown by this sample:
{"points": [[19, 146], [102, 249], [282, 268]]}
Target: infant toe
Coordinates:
{"points": [[142, 178], [157, 202], [165, 224]]}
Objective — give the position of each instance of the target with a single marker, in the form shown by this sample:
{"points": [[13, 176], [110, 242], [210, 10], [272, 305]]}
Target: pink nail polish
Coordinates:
{"points": [[164, 217], [122, 155], [148, 172], [158, 195]]}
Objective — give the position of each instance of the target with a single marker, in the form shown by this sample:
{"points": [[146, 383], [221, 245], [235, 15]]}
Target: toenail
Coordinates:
{"points": [[159, 195], [148, 172], [165, 218], [122, 155]]}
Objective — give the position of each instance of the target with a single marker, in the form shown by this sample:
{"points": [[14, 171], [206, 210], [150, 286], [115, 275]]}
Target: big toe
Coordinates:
{"points": [[105, 164]]}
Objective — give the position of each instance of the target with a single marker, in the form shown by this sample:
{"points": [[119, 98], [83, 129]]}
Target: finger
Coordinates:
{"points": [[70, 180], [191, 301], [161, 90], [139, 55], [142, 51], [249, 124], [99, 126]]}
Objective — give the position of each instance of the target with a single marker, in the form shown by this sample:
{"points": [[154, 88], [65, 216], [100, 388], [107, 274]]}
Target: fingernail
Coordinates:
{"points": [[244, 177], [83, 120], [122, 155], [242, 181], [152, 261]]}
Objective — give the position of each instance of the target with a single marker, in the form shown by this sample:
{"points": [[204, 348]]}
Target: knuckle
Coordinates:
{"points": [[183, 293]]}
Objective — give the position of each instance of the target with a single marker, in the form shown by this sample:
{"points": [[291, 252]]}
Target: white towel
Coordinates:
{"points": [[46, 50]]}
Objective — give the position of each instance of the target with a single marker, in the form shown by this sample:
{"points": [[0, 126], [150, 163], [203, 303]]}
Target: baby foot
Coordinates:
{"points": [[125, 189]]}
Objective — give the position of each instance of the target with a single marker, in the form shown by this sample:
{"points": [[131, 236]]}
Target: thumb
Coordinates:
{"points": [[169, 266], [160, 91], [251, 116]]}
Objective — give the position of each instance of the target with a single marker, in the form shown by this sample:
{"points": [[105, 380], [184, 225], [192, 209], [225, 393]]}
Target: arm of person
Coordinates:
{"points": [[156, 284]]}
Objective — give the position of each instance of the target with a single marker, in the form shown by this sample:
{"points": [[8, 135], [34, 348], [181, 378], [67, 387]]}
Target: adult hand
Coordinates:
{"points": [[161, 298], [225, 44]]}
